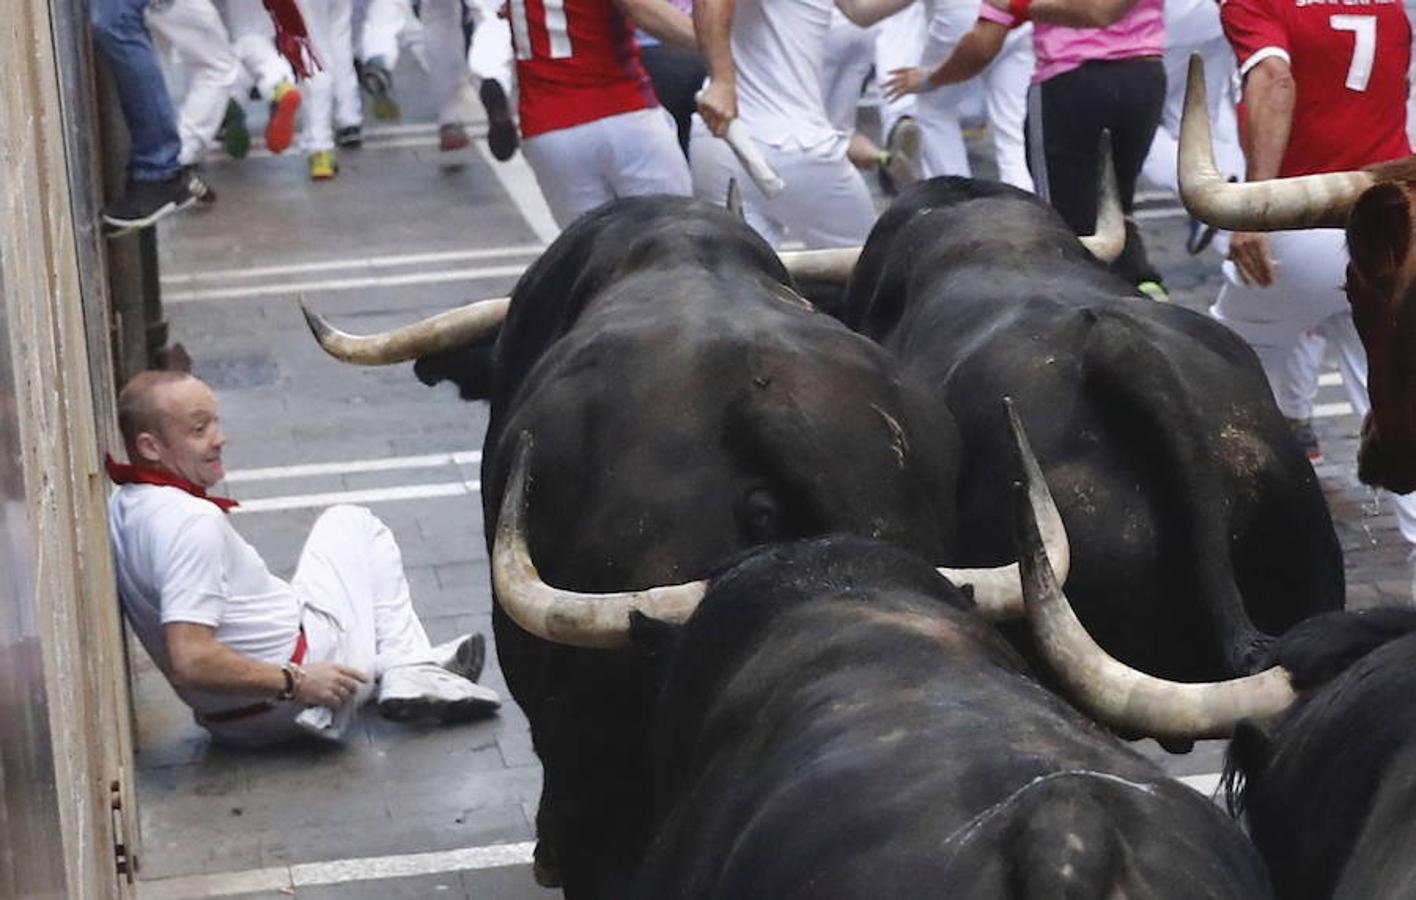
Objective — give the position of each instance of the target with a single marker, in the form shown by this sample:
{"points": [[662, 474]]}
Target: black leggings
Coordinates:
{"points": [[1066, 115], [677, 75]]}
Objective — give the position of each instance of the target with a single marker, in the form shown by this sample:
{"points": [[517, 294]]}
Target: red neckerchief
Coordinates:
{"points": [[292, 39], [123, 473]]}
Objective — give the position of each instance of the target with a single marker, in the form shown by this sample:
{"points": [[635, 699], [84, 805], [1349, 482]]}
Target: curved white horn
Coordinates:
{"points": [[998, 592], [821, 265], [594, 621], [1114, 693], [1308, 201], [435, 334], [1109, 239]]}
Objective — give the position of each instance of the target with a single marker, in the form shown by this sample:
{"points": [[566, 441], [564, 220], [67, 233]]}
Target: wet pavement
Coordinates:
{"points": [[405, 231]]}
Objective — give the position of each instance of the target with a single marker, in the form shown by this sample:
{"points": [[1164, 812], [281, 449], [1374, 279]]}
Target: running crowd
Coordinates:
{"points": [[623, 97]]}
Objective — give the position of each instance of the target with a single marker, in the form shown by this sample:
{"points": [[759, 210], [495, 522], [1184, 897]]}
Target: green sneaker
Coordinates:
{"points": [[377, 81], [1154, 290], [233, 133]]}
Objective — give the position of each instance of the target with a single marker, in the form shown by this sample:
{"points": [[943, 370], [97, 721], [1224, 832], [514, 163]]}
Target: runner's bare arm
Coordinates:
{"points": [[201, 662], [717, 102]]}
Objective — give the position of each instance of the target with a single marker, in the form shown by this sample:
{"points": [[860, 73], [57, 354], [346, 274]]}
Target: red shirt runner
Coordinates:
{"points": [[576, 61], [1349, 59]]}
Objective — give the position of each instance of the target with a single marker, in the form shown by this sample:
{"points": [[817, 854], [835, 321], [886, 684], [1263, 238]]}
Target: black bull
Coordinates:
{"points": [[1330, 787], [835, 722], [685, 405], [1196, 524]]}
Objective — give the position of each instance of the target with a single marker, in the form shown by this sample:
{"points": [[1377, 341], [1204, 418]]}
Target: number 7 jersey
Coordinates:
{"points": [[576, 61], [1349, 60]]}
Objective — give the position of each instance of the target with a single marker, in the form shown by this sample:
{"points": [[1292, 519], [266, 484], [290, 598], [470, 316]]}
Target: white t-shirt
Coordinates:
{"points": [[179, 560], [779, 48]]}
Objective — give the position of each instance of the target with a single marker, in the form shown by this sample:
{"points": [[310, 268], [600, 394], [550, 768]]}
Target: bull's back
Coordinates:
{"points": [[892, 750], [1153, 426]]}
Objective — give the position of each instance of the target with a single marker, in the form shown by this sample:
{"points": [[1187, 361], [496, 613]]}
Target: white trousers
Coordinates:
{"points": [[589, 165], [825, 202], [437, 43], [358, 612], [1289, 323], [332, 95], [1005, 95], [253, 38], [899, 42], [850, 52], [193, 28], [1196, 31]]}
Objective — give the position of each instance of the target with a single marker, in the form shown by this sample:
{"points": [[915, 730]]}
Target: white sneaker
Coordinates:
{"points": [[464, 655], [428, 691]]}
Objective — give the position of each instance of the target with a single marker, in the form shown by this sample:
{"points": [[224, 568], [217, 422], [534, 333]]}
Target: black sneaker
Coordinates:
{"points": [[350, 137], [143, 203], [1307, 438], [502, 139]]}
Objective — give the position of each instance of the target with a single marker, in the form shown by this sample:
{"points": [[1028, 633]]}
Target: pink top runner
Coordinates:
{"points": [[1141, 32]]}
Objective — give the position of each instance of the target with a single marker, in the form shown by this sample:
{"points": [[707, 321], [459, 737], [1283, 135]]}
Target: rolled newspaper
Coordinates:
{"points": [[762, 174]]}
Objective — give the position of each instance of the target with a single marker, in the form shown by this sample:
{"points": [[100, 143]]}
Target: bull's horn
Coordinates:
{"points": [[1308, 201], [998, 592], [435, 334], [1112, 692], [821, 265], [1110, 237], [734, 200], [594, 621]]}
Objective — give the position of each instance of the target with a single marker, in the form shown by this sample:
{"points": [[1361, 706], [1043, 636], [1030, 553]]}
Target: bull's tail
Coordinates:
{"points": [[1128, 368]]}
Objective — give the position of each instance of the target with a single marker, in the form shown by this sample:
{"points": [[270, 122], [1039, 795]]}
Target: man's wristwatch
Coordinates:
{"points": [[293, 676]]}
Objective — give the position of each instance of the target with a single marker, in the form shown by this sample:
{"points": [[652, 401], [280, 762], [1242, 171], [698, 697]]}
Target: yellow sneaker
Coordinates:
{"points": [[323, 165]]}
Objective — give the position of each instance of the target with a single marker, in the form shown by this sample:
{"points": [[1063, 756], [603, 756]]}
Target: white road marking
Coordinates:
{"points": [[1331, 410], [340, 871], [1329, 379], [350, 467], [1172, 212], [371, 495], [336, 265], [1207, 784], [290, 288]]}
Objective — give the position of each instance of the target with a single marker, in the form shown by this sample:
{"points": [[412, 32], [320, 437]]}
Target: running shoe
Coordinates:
{"points": [[502, 139], [350, 137], [235, 137], [452, 136], [1307, 438], [280, 127], [1154, 290], [323, 165], [144, 203], [377, 81], [899, 166]]}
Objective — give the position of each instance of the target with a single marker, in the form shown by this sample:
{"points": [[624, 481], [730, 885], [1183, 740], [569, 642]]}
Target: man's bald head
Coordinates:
{"points": [[140, 405]]}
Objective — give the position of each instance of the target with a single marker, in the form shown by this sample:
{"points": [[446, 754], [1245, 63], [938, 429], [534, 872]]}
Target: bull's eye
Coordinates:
{"points": [[761, 515]]}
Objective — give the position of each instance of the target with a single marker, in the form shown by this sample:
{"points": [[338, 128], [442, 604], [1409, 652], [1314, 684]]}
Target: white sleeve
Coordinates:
{"points": [[191, 575]]}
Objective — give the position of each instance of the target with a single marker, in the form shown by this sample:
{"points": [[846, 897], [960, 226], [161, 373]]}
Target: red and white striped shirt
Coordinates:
{"points": [[577, 61]]}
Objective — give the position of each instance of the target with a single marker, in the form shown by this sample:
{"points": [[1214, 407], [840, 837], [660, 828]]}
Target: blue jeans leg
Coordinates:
{"points": [[122, 35]]}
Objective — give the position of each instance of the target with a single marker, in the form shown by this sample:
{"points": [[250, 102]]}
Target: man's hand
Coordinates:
{"points": [[328, 684], [910, 80], [717, 104], [1250, 252]]}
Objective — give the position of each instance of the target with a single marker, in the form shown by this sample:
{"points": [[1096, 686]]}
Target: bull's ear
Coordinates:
{"points": [[1379, 233], [1245, 762], [652, 637], [471, 368]]}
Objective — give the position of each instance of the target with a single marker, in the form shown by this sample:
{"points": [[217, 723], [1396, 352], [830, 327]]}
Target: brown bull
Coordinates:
{"points": [[1376, 207]]}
